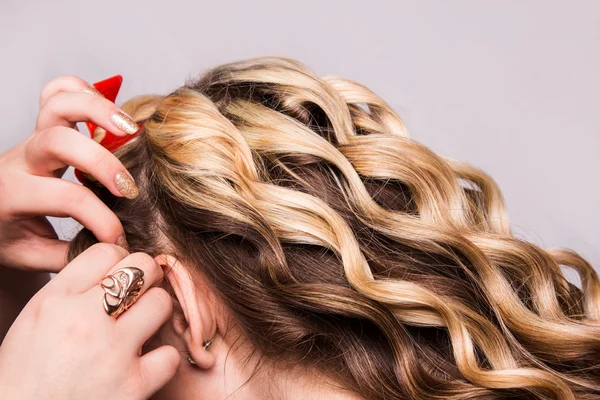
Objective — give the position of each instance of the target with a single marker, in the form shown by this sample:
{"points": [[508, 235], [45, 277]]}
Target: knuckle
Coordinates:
{"points": [[49, 135], [53, 103], [43, 140], [99, 159], [47, 88], [79, 329], [32, 146], [78, 197], [60, 83], [74, 79]]}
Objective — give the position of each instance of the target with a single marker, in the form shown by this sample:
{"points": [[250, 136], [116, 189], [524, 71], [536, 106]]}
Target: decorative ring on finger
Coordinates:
{"points": [[122, 288]]}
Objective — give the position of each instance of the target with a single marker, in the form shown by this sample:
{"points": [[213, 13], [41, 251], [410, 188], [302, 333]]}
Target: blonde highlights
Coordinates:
{"points": [[341, 244]]}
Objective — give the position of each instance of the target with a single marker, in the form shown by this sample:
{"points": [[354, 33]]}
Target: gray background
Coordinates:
{"points": [[511, 86]]}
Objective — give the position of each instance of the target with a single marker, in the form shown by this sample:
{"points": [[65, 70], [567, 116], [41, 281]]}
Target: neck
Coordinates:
{"points": [[242, 378], [297, 384], [235, 376]]}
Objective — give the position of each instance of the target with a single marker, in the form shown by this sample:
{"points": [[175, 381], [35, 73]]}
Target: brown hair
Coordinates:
{"points": [[339, 243]]}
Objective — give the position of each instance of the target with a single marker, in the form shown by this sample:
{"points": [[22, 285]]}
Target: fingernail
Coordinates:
{"points": [[92, 90], [124, 122], [126, 185], [121, 241]]}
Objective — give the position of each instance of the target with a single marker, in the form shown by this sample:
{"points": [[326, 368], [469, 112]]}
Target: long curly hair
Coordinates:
{"points": [[339, 243]]}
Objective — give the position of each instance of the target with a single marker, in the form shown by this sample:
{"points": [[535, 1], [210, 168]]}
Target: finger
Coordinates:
{"points": [[152, 273], [67, 108], [38, 254], [59, 146], [59, 198], [87, 269], [145, 317], [37, 227], [157, 368], [67, 83], [37, 248]]}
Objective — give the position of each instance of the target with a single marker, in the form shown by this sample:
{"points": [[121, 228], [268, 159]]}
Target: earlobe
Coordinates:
{"points": [[200, 353], [198, 325]]}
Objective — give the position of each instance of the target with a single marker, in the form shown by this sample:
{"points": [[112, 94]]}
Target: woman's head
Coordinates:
{"points": [[309, 234]]}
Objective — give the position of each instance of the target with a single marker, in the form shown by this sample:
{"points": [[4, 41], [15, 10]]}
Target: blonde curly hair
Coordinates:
{"points": [[339, 243]]}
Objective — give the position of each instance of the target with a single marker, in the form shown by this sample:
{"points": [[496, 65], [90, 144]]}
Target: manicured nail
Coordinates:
{"points": [[124, 122], [92, 90], [121, 241], [126, 185]]}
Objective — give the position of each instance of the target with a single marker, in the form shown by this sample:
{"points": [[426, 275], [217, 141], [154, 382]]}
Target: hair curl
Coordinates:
{"points": [[339, 243]]}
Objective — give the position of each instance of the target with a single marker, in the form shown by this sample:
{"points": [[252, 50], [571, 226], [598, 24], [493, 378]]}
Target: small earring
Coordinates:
{"points": [[206, 346]]}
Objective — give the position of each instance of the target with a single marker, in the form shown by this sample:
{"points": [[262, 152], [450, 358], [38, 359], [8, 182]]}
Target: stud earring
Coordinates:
{"points": [[206, 346]]}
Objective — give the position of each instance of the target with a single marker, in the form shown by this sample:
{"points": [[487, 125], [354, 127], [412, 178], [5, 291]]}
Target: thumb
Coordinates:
{"points": [[157, 368], [38, 254]]}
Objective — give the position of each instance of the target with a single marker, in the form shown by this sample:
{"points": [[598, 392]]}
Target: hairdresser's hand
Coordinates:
{"points": [[63, 345], [30, 184]]}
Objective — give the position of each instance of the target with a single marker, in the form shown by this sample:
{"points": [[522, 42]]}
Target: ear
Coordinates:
{"points": [[198, 324]]}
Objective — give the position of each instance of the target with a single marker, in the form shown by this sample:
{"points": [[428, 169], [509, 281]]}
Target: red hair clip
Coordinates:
{"points": [[110, 89]]}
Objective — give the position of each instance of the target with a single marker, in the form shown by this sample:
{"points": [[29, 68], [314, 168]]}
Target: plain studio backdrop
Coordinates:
{"points": [[510, 86]]}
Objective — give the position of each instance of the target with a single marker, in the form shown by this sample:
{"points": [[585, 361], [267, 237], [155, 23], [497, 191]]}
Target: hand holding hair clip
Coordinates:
{"points": [[109, 88]]}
